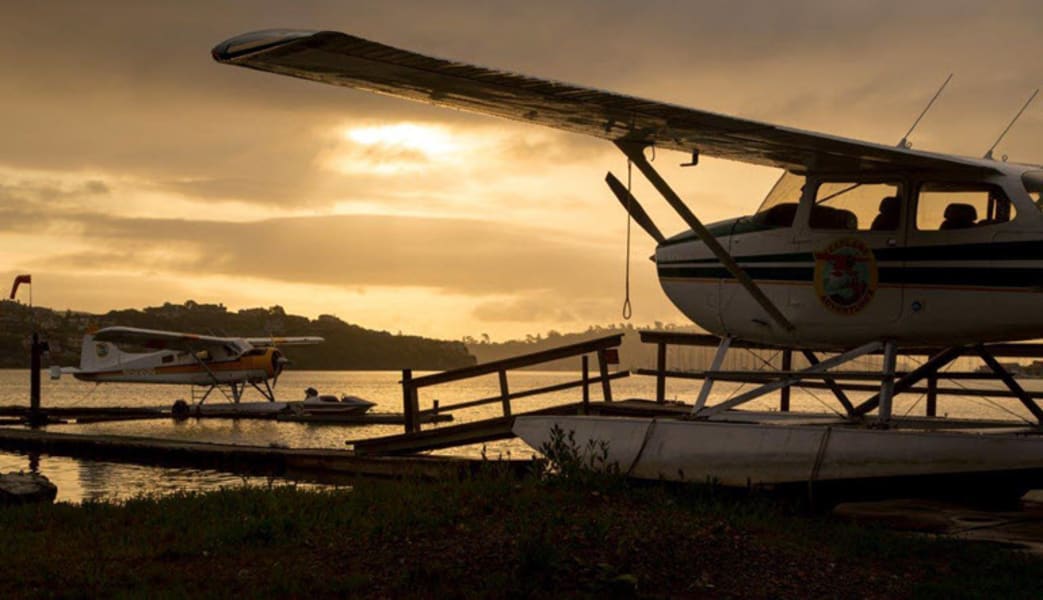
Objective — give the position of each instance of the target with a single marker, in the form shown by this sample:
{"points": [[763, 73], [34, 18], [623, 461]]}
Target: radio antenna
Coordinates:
{"points": [[1014, 120], [905, 138]]}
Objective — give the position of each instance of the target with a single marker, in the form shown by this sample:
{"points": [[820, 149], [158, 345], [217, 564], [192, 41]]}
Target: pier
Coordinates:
{"points": [[399, 454]]}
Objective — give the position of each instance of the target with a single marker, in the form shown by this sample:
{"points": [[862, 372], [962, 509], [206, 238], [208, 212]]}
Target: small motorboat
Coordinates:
{"points": [[328, 404]]}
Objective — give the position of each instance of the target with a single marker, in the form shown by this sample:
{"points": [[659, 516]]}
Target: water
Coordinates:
{"points": [[82, 479]]}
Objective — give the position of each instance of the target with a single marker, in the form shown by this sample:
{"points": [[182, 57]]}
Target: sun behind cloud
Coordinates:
{"points": [[394, 148]]}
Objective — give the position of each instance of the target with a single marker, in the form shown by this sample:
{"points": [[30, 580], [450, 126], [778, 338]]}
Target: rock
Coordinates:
{"points": [[1032, 501], [24, 488]]}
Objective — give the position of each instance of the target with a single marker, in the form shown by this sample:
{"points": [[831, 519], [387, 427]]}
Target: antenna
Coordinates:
{"points": [[1014, 120], [905, 138]]}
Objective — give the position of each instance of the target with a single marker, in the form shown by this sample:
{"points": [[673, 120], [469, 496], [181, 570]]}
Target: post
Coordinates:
{"points": [[787, 365], [606, 384], [34, 380], [504, 393], [887, 384], [410, 408], [932, 396], [586, 384], [660, 377]]}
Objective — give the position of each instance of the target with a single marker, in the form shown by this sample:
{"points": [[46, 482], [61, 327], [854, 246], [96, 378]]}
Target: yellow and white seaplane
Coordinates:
{"points": [[133, 355], [860, 248]]}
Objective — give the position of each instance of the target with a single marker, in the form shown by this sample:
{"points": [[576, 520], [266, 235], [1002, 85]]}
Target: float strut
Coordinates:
{"points": [[718, 360]]}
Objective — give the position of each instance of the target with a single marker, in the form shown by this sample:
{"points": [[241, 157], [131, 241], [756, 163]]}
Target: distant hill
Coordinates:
{"points": [[632, 353], [347, 347]]}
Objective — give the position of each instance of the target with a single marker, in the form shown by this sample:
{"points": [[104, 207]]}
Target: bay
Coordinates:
{"points": [[79, 480]]}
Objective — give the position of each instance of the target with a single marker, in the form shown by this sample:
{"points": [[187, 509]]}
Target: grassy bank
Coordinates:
{"points": [[491, 536]]}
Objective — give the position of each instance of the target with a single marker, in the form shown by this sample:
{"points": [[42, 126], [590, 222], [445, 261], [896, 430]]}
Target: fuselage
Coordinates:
{"points": [[849, 258], [174, 367]]}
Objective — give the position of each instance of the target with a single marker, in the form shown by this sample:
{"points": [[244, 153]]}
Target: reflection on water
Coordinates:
{"points": [[80, 480], [88, 479]]}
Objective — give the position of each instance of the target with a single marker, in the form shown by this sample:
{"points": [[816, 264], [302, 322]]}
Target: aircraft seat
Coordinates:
{"points": [[959, 216], [827, 217], [780, 215], [890, 214]]}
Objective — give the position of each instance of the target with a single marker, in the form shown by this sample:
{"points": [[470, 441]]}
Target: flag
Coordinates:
{"points": [[19, 280]]}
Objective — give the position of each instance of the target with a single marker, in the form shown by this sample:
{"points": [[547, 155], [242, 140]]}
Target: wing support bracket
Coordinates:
{"points": [[635, 152]]}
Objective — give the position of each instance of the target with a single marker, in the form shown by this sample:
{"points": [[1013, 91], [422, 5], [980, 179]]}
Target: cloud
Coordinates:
{"points": [[455, 255], [129, 154]]}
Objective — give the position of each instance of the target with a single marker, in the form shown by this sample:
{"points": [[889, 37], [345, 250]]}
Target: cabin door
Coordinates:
{"points": [[849, 236]]}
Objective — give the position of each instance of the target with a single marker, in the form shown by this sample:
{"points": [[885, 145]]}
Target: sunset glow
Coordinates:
{"points": [[143, 172]]}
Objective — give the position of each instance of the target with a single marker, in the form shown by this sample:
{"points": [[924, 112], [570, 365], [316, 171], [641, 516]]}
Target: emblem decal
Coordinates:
{"points": [[101, 349], [845, 275]]}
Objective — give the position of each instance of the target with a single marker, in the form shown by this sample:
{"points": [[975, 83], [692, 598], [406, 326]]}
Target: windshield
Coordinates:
{"points": [[1033, 182], [780, 206], [787, 189]]}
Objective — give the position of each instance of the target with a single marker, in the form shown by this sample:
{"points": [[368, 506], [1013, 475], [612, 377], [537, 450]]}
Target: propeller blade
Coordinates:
{"points": [[279, 362], [631, 204]]}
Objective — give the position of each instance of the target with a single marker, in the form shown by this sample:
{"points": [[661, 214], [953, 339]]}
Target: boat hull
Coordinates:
{"points": [[745, 454]]}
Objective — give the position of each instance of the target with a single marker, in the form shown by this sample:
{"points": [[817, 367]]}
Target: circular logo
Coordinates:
{"points": [[845, 275], [101, 349]]}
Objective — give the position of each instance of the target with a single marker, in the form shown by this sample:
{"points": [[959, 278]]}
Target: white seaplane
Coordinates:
{"points": [[860, 248], [168, 357]]}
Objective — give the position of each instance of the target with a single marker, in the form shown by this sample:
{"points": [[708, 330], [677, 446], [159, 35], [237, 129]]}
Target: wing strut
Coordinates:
{"points": [[635, 152], [631, 205]]}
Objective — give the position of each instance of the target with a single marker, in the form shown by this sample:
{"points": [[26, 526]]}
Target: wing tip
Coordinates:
{"points": [[255, 41]]}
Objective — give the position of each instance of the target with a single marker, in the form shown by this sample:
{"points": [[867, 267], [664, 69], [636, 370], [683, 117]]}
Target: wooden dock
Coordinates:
{"points": [[309, 463], [499, 428], [96, 414]]}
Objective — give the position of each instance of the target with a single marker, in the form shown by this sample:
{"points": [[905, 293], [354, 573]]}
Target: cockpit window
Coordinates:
{"points": [[1033, 182], [780, 206], [946, 206], [856, 206]]}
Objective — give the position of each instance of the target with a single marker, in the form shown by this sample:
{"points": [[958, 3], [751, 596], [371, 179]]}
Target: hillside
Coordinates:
{"points": [[347, 347], [632, 353]]}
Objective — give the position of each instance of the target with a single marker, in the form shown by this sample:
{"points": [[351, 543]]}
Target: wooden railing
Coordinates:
{"points": [[605, 348]]}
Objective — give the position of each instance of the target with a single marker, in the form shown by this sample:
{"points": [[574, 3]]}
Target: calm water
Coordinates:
{"points": [[80, 479]]}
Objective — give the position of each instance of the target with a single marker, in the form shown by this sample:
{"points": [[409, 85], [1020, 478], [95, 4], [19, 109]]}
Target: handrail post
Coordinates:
{"points": [[505, 394], [932, 396], [660, 377], [606, 383], [410, 403], [586, 384], [787, 365]]}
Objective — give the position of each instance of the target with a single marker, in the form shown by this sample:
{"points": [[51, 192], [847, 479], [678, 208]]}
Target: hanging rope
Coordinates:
{"points": [[627, 309]]}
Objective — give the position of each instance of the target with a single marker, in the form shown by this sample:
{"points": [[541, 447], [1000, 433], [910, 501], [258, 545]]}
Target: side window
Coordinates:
{"points": [[946, 206], [1033, 181], [855, 206]]}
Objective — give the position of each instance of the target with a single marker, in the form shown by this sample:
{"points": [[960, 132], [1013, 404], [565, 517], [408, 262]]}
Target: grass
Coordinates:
{"points": [[560, 532]]}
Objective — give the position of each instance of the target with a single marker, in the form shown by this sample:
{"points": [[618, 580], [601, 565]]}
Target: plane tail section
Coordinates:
{"points": [[98, 356]]}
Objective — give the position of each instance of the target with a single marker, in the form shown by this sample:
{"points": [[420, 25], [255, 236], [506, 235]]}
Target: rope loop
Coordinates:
{"points": [[628, 310]]}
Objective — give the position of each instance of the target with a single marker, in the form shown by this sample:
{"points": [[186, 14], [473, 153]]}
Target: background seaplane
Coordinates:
{"points": [[859, 248], [167, 357]]}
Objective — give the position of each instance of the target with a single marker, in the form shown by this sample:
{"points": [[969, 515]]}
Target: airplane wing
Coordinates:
{"points": [[345, 60], [164, 340], [259, 342]]}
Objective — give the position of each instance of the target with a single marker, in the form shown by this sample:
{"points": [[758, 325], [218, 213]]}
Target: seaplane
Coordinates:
{"points": [[134, 355], [859, 249]]}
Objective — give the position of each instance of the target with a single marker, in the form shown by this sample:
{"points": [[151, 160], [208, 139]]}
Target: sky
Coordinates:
{"points": [[134, 170]]}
